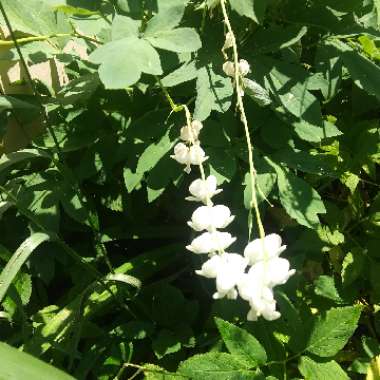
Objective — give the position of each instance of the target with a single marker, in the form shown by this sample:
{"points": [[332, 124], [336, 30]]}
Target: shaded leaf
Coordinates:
{"points": [[299, 199], [241, 345], [18, 259]]}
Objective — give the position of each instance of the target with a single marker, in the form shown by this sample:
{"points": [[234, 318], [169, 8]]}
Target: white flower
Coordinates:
{"points": [[194, 155], [252, 288], [197, 155], [211, 242], [181, 153], [272, 272], [244, 67], [229, 274], [268, 312], [228, 43], [228, 269], [191, 134], [210, 267], [210, 218], [229, 68], [261, 249], [203, 190]]}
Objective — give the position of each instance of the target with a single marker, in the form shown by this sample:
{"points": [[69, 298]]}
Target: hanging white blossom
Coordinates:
{"points": [[260, 249], [260, 297], [229, 68], [273, 272], [210, 218], [194, 155], [191, 133], [203, 190], [229, 274], [209, 242], [228, 269]]}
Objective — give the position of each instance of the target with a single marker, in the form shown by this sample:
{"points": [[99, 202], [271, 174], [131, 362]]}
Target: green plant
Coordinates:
{"points": [[94, 275]]}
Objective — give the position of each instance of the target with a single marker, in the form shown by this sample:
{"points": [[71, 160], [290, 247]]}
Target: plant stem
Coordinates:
{"points": [[243, 117]]}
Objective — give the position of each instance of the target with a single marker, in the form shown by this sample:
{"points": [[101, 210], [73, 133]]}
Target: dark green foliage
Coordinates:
{"points": [[94, 275]]}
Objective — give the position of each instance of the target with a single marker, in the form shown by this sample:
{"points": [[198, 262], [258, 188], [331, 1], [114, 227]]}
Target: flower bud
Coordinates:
{"points": [[229, 41], [229, 68], [244, 67]]}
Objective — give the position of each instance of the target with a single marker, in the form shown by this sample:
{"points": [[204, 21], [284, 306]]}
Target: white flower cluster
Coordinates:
{"points": [[267, 269], [193, 154]]}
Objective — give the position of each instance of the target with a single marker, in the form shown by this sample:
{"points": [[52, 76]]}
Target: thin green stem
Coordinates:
{"points": [[175, 107], [25, 40], [238, 88]]}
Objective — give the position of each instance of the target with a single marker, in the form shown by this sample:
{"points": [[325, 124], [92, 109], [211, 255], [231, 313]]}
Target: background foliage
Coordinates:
{"points": [[95, 279]]}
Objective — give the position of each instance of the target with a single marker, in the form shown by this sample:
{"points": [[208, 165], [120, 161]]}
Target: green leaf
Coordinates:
{"points": [[264, 185], [180, 40], [23, 285], [131, 179], [33, 17], [165, 343], [312, 370], [141, 267], [299, 199], [9, 102], [124, 279], [31, 368], [329, 63], [277, 37], [258, 93], [123, 27], [12, 158], [308, 162], [332, 330], [241, 345], [289, 87], [163, 173], [325, 287], [18, 259], [214, 366], [214, 92], [352, 266], [122, 62], [254, 9], [222, 164], [170, 13], [364, 73], [154, 372], [154, 153], [188, 71], [39, 195]]}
